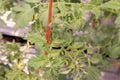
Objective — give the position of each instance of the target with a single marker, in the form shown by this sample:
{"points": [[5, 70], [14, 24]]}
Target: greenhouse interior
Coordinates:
{"points": [[59, 39]]}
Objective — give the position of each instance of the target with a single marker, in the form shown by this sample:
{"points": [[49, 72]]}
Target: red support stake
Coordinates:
{"points": [[48, 27]]}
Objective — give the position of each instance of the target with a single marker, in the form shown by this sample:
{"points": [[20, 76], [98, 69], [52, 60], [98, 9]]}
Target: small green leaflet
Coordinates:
{"points": [[23, 14], [62, 8], [57, 43], [37, 39], [2, 70], [96, 58], [117, 21], [66, 71], [96, 1], [62, 77], [38, 61], [105, 63], [24, 18], [77, 45], [54, 53], [115, 52], [119, 37], [112, 4], [44, 17], [15, 75], [12, 47], [32, 1], [21, 7], [97, 12], [93, 73], [2, 22]]}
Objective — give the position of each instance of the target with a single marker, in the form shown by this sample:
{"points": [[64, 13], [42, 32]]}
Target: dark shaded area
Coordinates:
{"points": [[9, 38]]}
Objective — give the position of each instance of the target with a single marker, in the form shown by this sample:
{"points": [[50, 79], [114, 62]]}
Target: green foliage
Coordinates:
{"points": [[112, 4], [37, 39], [96, 2], [37, 62], [12, 47], [93, 74], [81, 41], [97, 12], [2, 22], [22, 14], [114, 52], [117, 21], [96, 58], [6, 5], [15, 74], [31, 1]]}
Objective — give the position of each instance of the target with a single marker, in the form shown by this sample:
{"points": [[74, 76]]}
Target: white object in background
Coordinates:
{"points": [[10, 22], [85, 1]]}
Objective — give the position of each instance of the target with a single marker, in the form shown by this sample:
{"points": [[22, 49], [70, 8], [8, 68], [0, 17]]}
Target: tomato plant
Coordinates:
{"points": [[73, 39]]}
